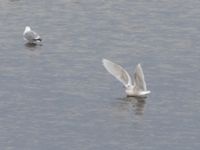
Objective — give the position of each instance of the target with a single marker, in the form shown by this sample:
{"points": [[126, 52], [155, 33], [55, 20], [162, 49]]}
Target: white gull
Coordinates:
{"points": [[137, 88], [31, 36]]}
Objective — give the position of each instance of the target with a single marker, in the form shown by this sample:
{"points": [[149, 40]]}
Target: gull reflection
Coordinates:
{"points": [[32, 49], [31, 45], [14, 0], [137, 104]]}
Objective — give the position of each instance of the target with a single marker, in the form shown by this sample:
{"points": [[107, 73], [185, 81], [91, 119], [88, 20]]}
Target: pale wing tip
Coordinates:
{"points": [[104, 61], [139, 65]]}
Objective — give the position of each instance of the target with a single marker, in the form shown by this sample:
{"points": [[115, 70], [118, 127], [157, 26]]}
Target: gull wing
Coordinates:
{"points": [[118, 72], [36, 36], [139, 82], [31, 35]]}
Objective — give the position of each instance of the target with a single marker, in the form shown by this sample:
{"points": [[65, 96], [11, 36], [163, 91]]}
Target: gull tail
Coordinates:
{"points": [[39, 39]]}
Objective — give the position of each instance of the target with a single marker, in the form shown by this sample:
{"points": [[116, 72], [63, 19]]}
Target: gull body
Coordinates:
{"points": [[31, 36], [135, 89]]}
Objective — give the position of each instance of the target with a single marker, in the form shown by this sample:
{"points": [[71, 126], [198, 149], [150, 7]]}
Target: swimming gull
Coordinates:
{"points": [[137, 88], [31, 36]]}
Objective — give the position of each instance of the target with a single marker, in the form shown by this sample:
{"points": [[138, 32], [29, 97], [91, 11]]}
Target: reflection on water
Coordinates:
{"points": [[30, 45], [32, 49], [39, 94], [14, 0], [137, 104]]}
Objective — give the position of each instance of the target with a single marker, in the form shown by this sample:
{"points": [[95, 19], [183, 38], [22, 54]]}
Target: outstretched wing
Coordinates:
{"points": [[139, 82], [118, 72]]}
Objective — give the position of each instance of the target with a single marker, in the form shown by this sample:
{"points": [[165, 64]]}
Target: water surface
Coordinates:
{"points": [[57, 95]]}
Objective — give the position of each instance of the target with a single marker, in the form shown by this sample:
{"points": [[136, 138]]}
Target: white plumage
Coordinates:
{"points": [[31, 36], [137, 88]]}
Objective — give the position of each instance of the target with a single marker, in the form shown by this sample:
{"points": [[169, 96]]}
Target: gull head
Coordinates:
{"points": [[27, 28]]}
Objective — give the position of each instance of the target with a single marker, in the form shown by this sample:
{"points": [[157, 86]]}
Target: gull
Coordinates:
{"points": [[137, 88], [31, 36]]}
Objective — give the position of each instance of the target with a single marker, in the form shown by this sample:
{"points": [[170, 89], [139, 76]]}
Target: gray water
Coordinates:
{"points": [[58, 96]]}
